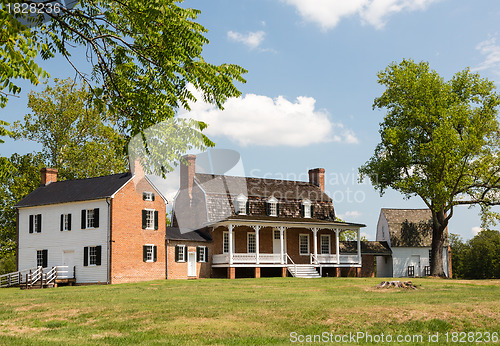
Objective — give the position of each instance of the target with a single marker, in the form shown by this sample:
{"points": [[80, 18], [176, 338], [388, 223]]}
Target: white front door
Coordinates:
{"points": [[69, 262], [277, 242], [191, 263], [415, 262]]}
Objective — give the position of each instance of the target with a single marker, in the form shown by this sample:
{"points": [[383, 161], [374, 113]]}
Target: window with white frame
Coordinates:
{"points": [[92, 255], [90, 218], [304, 244], [202, 254], [306, 207], [225, 242], [148, 196], [272, 205], [150, 219], [149, 253], [251, 242], [180, 253], [66, 222], [240, 205], [35, 223], [41, 258], [325, 244]]}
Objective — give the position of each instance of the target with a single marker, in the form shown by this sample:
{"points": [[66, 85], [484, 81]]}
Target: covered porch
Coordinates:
{"points": [[279, 242]]}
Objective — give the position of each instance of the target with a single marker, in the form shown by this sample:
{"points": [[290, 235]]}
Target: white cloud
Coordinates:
{"points": [[252, 39], [491, 51], [328, 13], [261, 120], [351, 214], [476, 230]]}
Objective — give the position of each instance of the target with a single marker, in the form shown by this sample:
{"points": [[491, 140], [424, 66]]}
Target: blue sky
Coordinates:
{"points": [[312, 79]]}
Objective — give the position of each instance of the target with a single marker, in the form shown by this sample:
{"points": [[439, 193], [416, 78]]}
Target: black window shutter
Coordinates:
{"points": [[153, 196], [301, 210], [31, 223], [206, 254], [45, 257], [96, 217], [84, 219], [144, 196], [144, 253], [177, 253], [277, 209], [69, 222], [198, 258], [86, 256], [247, 207], [98, 255], [144, 219], [62, 222], [312, 210], [154, 253], [156, 219], [39, 223], [267, 208]]}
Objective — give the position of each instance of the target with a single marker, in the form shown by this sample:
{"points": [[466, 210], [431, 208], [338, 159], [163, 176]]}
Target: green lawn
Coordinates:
{"points": [[245, 311]]}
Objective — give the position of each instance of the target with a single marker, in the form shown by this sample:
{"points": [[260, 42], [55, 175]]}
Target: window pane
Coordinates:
{"points": [[90, 218], [277, 235], [251, 243], [149, 253], [150, 219], [226, 243], [304, 244], [93, 255], [325, 244], [39, 258], [272, 209]]}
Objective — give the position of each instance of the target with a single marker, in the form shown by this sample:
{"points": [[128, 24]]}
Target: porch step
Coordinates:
{"points": [[304, 271]]}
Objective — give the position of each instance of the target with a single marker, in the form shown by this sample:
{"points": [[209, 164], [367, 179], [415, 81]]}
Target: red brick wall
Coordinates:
{"points": [[128, 237], [179, 270], [367, 266]]}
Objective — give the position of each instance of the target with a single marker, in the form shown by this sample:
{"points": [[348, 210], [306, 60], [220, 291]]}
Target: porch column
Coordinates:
{"points": [[359, 246], [230, 228], [281, 245], [315, 233], [337, 245], [257, 228]]}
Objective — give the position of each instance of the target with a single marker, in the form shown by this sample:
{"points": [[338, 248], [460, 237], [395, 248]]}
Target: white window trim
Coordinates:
{"points": [[321, 236], [184, 253], [204, 258], [37, 252], [240, 204], [89, 248], [273, 202], [307, 208], [223, 241], [88, 221], [276, 231], [148, 196], [249, 234], [36, 229], [308, 244], [152, 218], [151, 246], [66, 222]]}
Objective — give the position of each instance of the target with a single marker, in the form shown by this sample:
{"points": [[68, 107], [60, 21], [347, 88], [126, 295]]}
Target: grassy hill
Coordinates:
{"points": [[248, 311]]}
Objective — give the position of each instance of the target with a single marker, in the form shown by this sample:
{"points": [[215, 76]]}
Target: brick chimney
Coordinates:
{"points": [[188, 169], [317, 177], [48, 175]]}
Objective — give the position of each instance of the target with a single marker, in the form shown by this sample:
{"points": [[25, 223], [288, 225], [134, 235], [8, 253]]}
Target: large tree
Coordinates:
{"points": [[76, 138], [144, 56], [439, 141]]}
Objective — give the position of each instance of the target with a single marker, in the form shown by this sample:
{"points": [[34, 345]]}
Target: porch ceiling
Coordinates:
{"points": [[270, 221]]}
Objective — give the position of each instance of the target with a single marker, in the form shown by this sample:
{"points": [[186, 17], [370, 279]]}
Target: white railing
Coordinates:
{"points": [[65, 272], [315, 260], [349, 259], [240, 258], [332, 259], [33, 276], [288, 258]]}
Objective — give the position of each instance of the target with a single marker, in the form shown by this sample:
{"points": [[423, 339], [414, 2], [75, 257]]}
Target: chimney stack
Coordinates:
{"points": [[188, 169], [317, 177], [48, 175]]}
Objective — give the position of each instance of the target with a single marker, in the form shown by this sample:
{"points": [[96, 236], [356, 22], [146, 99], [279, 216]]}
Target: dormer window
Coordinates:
{"points": [[272, 207], [306, 209], [241, 205]]}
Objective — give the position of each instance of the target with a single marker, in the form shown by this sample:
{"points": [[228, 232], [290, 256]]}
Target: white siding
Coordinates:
{"points": [[405, 256], [383, 229], [56, 242]]}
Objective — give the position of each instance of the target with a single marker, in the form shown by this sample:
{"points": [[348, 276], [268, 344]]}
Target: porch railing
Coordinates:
{"points": [[269, 258]]}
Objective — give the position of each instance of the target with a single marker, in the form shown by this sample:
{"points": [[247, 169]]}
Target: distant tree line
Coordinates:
{"points": [[477, 258]]}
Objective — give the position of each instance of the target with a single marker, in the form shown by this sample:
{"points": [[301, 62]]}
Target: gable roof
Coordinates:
{"points": [[260, 187], [174, 233], [367, 247], [409, 227], [75, 190]]}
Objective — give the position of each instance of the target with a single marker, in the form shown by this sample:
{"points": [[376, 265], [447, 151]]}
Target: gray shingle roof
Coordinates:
{"points": [[174, 233], [409, 227], [75, 190], [260, 187]]}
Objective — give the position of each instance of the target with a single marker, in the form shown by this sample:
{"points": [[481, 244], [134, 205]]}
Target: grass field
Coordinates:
{"points": [[246, 311]]}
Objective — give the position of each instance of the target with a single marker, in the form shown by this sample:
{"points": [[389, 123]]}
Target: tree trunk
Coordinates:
{"points": [[438, 237]]}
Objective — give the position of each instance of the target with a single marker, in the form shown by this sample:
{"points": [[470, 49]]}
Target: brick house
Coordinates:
{"points": [[256, 227], [106, 229]]}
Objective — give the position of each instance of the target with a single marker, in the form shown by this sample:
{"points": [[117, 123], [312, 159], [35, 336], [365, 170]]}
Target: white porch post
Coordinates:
{"points": [[281, 245], [337, 245], [315, 233], [257, 228], [359, 246], [230, 228]]}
